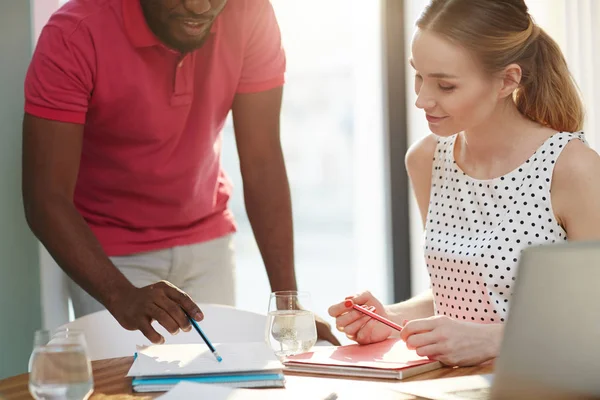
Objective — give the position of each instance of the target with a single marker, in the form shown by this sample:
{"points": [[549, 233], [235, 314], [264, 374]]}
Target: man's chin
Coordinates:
{"points": [[189, 44]]}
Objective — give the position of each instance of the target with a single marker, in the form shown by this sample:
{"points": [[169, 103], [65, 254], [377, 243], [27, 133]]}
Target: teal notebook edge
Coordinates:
{"points": [[207, 379]]}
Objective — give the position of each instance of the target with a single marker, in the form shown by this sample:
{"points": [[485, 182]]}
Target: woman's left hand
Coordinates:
{"points": [[453, 342]]}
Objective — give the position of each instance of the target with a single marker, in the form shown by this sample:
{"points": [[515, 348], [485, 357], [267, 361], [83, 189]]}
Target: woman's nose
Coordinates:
{"points": [[424, 99]]}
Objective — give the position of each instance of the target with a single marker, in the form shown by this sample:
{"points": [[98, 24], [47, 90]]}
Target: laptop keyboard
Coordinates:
{"points": [[473, 394]]}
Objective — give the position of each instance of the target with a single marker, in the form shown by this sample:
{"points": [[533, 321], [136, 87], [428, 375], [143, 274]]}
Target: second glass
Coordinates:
{"points": [[59, 367], [291, 325]]}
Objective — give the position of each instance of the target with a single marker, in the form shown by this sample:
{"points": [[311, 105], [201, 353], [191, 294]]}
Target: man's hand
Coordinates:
{"points": [[453, 342], [161, 301], [324, 331]]}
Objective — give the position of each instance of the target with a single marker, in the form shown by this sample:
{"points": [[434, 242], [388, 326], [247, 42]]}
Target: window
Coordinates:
{"points": [[332, 137]]}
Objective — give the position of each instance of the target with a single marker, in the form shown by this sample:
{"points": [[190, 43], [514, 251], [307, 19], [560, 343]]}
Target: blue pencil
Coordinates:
{"points": [[201, 333]]}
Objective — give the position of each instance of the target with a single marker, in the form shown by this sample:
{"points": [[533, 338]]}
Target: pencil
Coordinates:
{"points": [[203, 335], [350, 304]]}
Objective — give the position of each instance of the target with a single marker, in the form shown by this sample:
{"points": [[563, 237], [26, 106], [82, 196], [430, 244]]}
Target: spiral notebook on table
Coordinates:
{"points": [[158, 368], [388, 359]]}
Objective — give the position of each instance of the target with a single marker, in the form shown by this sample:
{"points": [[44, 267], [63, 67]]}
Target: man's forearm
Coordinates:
{"points": [[269, 209], [70, 241]]}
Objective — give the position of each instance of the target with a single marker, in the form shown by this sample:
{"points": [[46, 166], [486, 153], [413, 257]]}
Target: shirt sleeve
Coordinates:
{"points": [[264, 57], [59, 81]]}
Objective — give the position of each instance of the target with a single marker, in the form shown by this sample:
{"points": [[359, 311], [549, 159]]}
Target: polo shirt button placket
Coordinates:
{"points": [[182, 93], [180, 64]]}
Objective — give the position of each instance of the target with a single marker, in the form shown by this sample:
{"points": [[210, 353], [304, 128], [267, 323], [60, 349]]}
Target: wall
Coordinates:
{"points": [[53, 290], [20, 313]]}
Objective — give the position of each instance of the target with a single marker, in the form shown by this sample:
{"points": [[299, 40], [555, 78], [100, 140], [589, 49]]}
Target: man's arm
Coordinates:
{"points": [[51, 155], [266, 187]]}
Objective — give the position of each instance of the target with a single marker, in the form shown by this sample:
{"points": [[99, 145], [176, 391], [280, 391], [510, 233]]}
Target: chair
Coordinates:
{"points": [[222, 324]]}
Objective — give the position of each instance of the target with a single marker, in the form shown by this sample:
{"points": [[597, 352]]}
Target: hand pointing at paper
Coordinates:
{"points": [[136, 308]]}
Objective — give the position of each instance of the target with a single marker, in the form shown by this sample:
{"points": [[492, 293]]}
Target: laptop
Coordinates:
{"points": [[551, 344]]}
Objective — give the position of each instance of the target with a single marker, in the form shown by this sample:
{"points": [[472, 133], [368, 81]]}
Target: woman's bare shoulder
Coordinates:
{"points": [[420, 155], [576, 183]]}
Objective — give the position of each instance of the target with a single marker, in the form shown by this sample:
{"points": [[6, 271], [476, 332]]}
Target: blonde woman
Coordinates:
{"points": [[505, 167]]}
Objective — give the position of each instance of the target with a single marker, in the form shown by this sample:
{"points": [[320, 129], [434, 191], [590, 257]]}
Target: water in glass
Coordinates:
{"points": [[291, 325], [59, 367]]}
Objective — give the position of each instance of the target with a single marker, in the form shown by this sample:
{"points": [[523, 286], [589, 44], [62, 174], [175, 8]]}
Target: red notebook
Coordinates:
{"points": [[388, 359]]}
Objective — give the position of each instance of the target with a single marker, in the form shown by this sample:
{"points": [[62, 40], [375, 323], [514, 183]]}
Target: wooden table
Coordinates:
{"points": [[110, 381]]}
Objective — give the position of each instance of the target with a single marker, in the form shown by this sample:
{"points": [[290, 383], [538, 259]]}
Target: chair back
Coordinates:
{"points": [[222, 324]]}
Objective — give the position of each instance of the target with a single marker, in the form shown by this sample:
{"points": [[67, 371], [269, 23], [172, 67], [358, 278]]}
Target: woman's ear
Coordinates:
{"points": [[511, 78]]}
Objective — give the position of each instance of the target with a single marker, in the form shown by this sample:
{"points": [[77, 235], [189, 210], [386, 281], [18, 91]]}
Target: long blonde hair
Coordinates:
{"points": [[500, 33]]}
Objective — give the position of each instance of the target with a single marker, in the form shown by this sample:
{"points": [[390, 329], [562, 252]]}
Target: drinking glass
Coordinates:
{"points": [[291, 325], [59, 366]]}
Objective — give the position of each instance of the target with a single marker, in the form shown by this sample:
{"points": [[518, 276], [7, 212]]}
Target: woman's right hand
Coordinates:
{"points": [[357, 326]]}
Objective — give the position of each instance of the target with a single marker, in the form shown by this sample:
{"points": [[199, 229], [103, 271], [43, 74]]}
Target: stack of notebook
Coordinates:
{"points": [[388, 359], [158, 368]]}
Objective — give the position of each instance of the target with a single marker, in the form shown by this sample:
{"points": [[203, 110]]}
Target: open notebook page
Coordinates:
{"points": [[197, 359]]}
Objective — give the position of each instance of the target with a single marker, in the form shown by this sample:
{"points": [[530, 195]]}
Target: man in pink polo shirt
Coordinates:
{"points": [[122, 177]]}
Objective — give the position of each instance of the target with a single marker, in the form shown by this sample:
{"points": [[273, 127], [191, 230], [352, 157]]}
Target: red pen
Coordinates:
{"points": [[350, 304]]}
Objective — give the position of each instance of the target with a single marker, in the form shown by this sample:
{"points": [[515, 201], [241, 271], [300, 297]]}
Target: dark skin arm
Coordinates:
{"points": [[51, 155], [266, 188]]}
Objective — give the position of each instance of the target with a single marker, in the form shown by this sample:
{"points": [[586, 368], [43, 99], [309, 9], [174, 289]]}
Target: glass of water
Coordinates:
{"points": [[59, 366], [291, 325]]}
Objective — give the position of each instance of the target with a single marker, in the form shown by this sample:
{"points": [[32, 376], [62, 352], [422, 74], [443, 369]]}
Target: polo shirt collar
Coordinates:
{"points": [[137, 28]]}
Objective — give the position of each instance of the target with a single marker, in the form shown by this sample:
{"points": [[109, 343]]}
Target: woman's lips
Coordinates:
{"points": [[433, 119]]}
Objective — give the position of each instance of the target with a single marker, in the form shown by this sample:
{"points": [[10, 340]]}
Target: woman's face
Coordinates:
{"points": [[451, 86]]}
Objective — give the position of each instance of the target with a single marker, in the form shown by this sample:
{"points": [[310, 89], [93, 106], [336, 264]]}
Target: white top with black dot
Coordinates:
{"points": [[476, 229]]}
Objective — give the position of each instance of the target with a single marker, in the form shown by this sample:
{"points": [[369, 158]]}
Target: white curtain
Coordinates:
{"points": [[582, 48], [575, 25]]}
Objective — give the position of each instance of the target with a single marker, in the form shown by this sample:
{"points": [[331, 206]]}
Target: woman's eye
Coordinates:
{"points": [[447, 88], [417, 76]]}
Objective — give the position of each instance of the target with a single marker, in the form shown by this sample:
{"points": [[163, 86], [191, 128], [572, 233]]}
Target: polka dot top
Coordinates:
{"points": [[476, 229]]}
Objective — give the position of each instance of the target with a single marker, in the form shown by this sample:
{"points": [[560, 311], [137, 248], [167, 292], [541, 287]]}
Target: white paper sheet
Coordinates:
{"points": [[197, 359], [189, 390]]}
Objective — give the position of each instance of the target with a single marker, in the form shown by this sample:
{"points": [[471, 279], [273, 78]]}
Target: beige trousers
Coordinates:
{"points": [[205, 271]]}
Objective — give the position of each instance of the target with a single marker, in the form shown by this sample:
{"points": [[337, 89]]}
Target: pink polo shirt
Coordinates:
{"points": [[150, 174]]}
